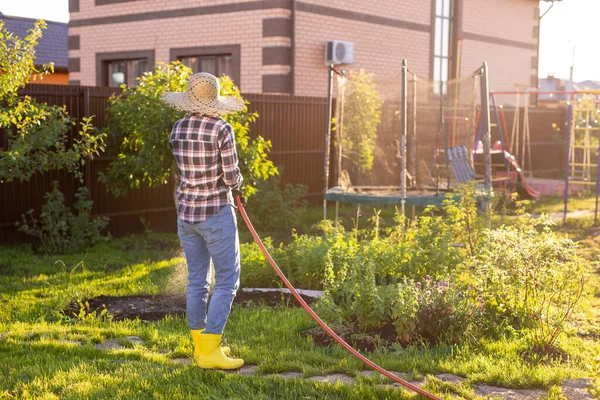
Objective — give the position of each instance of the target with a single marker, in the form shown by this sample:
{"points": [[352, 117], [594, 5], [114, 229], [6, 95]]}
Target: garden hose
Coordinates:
{"points": [[316, 317]]}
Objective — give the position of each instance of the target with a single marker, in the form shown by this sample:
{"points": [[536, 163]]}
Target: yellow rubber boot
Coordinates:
{"points": [[209, 354], [226, 349]]}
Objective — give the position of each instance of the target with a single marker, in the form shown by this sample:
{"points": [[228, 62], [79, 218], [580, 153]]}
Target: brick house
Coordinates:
{"points": [[277, 46], [52, 47]]}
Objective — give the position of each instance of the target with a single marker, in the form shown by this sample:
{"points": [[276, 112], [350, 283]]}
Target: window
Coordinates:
{"points": [[216, 60], [442, 44], [115, 69], [125, 72], [216, 65]]}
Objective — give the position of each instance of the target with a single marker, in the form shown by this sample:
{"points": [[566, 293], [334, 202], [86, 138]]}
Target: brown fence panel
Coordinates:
{"points": [[548, 148], [296, 128]]}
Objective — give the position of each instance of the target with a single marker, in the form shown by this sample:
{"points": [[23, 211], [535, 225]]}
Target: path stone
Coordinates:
{"points": [[335, 378], [508, 394], [245, 370], [396, 386], [110, 345], [368, 374], [286, 375], [135, 340], [450, 378], [576, 389], [182, 361]]}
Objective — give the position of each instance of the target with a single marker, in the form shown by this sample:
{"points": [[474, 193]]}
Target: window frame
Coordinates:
{"points": [[234, 50], [451, 19], [103, 59]]}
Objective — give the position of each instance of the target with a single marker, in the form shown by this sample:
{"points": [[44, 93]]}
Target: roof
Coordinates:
{"points": [[52, 47], [552, 84]]}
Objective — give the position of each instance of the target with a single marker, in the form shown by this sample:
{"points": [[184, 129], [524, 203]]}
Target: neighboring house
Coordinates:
{"points": [[553, 100], [52, 47], [277, 46]]}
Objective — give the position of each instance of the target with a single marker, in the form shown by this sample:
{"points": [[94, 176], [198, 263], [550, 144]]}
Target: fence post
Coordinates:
{"points": [[87, 167]]}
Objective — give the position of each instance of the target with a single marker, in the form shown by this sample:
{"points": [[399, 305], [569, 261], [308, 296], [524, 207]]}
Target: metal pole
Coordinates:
{"points": [[339, 135], [597, 181], [503, 145], [413, 143], [485, 124], [404, 132], [327, 138], [566, 195]]}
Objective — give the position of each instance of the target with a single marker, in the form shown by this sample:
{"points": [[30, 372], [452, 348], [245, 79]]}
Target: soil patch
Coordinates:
{"points": [[156, 307], [370, 340]]}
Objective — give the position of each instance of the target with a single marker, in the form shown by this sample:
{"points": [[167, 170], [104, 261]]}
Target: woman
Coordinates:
{"points": [[203, 145]]}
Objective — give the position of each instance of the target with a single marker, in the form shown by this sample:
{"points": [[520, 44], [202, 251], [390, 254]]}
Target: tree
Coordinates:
{"points": [[36, 142], [139, 125], [362, 115], [36, 134]]}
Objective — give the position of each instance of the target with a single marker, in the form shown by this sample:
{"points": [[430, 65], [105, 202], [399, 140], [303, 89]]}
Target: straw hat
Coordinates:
{"points": [[202, 97]]}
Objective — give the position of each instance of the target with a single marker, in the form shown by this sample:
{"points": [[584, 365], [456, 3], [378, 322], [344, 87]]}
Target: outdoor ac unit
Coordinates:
{"points": [[339, 52]]}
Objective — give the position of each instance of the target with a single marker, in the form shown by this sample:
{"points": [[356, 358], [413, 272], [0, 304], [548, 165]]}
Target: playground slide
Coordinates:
{"points": [[524, 189], [528, 189]]}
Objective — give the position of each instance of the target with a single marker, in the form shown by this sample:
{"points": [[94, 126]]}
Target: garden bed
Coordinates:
{"points": [[154, 307]]}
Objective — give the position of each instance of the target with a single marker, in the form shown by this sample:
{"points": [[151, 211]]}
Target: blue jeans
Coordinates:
{"points": [[215, 238]]}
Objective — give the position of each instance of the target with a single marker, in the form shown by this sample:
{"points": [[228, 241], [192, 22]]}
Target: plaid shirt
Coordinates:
{"points": [[204, 148]]}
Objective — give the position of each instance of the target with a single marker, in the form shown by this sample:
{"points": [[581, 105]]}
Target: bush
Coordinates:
{"points": [[59, 229], [444, 311], [139, 124], [530, 277], [274, 209], [255, 270]]}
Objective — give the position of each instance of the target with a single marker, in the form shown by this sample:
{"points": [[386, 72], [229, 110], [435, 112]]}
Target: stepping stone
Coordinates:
{"points": [[335, 378], [402, 375], [245, 370], [576, 389], [286, 375], [396, 386], [182, 361], [450, 378], [135, 340], [368, 374], [508, 394], [110, 345]]}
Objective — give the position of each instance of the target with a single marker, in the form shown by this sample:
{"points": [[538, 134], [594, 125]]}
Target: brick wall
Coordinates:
{"points": [[502, 32], [377, 48], [165, 34]]}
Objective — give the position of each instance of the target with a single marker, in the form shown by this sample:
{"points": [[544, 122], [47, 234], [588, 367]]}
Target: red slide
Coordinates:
{"points": [[528, 189]]}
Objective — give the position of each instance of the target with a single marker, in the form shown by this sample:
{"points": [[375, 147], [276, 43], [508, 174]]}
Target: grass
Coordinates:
{"points": [[38, 358]]}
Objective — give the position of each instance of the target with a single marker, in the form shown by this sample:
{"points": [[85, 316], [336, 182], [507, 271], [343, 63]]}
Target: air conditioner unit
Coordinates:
{"points": [[339, 52]]}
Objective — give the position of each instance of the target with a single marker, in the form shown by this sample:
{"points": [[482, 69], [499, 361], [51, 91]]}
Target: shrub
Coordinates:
{"points": [[59, 229], [139, 124], [443, 311], [362, 116], [274, 209], [530, 277], [255, 270]]}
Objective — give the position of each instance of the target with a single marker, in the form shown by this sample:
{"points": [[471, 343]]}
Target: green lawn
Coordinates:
{"points": [[38, 358]]}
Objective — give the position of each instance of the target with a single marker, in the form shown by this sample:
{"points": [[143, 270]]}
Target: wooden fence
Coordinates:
{"points": [[295, 126]]}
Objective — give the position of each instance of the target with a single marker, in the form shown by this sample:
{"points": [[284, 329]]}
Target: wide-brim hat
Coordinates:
{"points": [[202, 97]]}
